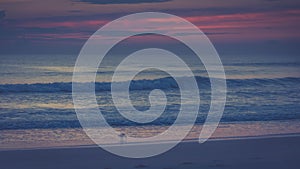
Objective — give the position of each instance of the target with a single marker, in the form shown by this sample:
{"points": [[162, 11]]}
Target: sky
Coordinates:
{"points": [[266, 27]]}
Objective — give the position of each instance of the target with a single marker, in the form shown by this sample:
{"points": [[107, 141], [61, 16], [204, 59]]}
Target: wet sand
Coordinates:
{"points": [[270, 152]]}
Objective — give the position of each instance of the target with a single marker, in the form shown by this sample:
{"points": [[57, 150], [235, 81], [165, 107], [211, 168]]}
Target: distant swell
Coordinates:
{"points": [[162, 83]]}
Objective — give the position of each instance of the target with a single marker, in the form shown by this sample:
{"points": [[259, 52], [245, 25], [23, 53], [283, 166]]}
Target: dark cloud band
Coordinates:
{"points": [[2, 14], [106, 2]]}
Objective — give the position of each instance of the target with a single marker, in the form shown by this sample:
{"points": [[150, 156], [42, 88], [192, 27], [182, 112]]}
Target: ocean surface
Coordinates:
{"points": [[36, 97]]}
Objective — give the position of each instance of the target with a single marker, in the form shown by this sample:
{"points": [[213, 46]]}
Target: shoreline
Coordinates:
{"points": [[270, 136], [75, 137]]}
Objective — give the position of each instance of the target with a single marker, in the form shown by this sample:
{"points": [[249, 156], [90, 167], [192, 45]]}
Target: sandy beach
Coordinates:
{"points": [[282, 152]]}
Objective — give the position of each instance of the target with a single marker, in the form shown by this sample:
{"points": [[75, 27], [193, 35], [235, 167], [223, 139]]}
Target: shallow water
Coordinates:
{"points": [[36, 100]]}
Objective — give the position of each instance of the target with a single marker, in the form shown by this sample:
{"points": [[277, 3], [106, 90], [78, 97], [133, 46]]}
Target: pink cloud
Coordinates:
{"points": [[234, 27]]}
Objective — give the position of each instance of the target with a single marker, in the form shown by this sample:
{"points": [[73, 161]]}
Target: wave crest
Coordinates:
{"points": [[161, 83]]}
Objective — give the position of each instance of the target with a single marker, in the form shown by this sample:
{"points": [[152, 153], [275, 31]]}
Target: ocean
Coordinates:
{"points": [[36, 106]]}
